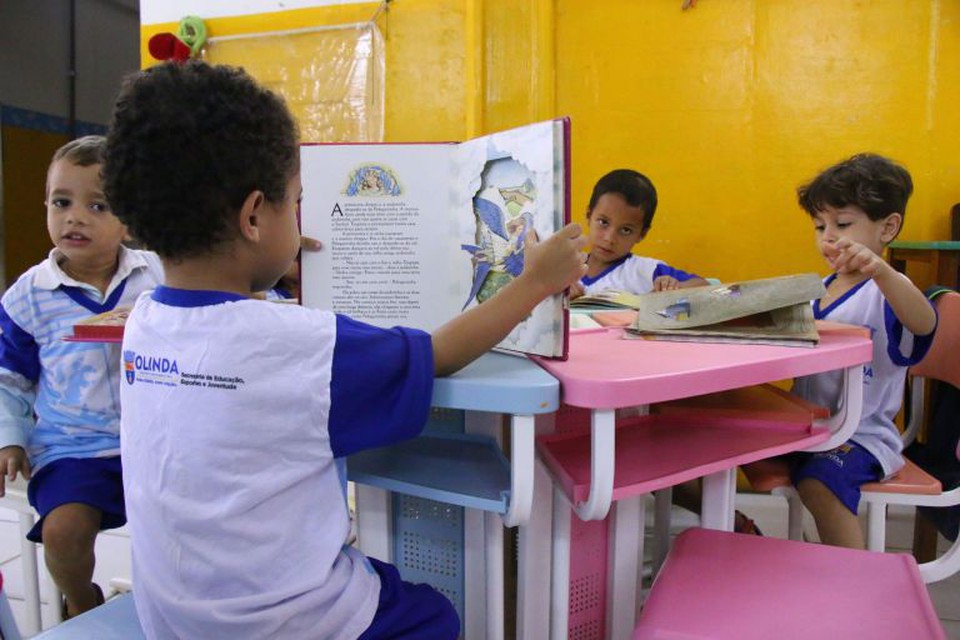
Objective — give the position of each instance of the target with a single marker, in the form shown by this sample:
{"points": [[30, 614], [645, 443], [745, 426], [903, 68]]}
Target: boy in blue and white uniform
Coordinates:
{"points": [[234, 409], [857, 207], [620, 214], [59, 400]]}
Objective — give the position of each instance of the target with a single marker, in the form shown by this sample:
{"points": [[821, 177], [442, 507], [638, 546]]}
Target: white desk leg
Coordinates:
{"points": [[560, 580], [718, 492], [533, 558], [662, 507], [373, 523], [625, 566], [483, 552]]}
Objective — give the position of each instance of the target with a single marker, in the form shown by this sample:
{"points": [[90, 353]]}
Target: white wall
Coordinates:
{"points": [[35, 56]]}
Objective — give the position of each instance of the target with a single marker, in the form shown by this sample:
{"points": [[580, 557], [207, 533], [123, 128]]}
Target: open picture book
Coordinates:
{"points": [[773, 311], [416, 233]]}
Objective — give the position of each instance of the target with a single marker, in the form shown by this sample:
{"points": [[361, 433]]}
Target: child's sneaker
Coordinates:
{"points": [[743, 524]]}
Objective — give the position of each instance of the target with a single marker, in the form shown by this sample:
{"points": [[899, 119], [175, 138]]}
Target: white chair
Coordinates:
{"points": [[16, 500]]}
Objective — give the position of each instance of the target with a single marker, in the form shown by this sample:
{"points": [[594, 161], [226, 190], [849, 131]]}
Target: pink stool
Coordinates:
{"points": [[721, 585]]}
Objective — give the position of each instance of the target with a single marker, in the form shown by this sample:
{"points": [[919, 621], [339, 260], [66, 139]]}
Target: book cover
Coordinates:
{"points": [[768, 311], [416, 233], [103, 327]]}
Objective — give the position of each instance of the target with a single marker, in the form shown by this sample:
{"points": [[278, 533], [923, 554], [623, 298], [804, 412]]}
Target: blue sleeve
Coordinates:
{"points": [[921, 344], [18, 350], [663, 269], [19, 372], [381, 385]]}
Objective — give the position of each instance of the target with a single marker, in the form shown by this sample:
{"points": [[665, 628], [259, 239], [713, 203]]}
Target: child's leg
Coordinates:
{"points": [[410, 611], [76, 497], [829, 486], [836, 524], [69, 535]]}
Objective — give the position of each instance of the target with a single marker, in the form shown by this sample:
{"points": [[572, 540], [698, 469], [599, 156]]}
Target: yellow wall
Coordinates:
{"points": [[727, 106], [730, 105]]}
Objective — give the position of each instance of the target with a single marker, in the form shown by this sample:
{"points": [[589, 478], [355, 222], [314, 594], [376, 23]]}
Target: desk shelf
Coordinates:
{"points": [[461, 469], [658, 451]]}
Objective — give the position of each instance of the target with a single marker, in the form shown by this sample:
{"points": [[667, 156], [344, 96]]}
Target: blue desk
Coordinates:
{"points": [[453, 492]]}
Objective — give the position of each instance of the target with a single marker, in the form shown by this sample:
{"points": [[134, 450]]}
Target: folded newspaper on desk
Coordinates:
{"points": [[773, 311]]}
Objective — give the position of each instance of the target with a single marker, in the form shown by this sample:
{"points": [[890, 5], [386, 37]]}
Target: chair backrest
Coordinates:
{"points": [[942, 362]]}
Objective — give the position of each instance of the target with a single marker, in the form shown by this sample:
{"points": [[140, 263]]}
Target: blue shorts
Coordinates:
{"points": [[410, 611], [97, 482], [843, 470]]}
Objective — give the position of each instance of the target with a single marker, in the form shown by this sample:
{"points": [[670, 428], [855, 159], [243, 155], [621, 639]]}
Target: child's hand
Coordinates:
{"points": [[666, 283], [557, 262], [847, 256], [576, 290], [13, 460]]}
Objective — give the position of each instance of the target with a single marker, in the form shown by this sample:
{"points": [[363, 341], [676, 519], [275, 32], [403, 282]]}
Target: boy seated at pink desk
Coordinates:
{"points": [[238, 524], [857, 208], [620, 214]]}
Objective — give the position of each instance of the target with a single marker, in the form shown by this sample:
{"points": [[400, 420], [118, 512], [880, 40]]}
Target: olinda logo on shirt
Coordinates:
{"points": [[134, 362]]}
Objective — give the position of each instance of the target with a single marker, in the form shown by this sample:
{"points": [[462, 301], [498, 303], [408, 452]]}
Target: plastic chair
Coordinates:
{"points": [[730, 586], [15, 499]]}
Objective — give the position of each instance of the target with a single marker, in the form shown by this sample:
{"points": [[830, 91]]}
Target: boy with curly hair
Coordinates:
{"points": [[235, 408]]}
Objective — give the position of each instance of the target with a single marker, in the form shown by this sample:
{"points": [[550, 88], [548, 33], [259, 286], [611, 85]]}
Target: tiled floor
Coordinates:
{"points": [[113, 556]]}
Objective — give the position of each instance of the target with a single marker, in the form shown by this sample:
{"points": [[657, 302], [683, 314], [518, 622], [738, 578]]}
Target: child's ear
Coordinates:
{"points": [[891, 227], [249, 216]]}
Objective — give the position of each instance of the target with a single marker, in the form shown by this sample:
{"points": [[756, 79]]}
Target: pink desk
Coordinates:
{"points": [[605, 372]]}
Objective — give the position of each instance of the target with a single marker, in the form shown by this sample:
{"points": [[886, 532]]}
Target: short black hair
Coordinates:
{"points": [[875, 184], [188, 142], [636, 189], [82, 152]]}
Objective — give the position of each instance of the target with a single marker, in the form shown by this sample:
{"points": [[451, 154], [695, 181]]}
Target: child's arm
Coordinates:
{"points": [[669, 283], [15, 414], [549, 267], [911, 307]]}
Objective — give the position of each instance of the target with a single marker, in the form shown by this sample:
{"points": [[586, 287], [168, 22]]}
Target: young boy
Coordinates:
{"points": [[857, 207], [620, 214], [59, 405], [233, 408]]}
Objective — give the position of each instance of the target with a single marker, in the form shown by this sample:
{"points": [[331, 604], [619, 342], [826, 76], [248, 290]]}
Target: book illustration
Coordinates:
{"points": [[416, 233], [372, 181], [767, 311], [503, 214]]}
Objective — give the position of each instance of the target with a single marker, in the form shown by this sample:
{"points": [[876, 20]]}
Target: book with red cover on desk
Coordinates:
{"points": [[103, 327], [416, 233]]}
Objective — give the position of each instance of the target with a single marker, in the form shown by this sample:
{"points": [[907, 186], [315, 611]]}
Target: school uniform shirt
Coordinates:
{"points": [[894, 349], [60, 399], [233, 412], [634, 274]]}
